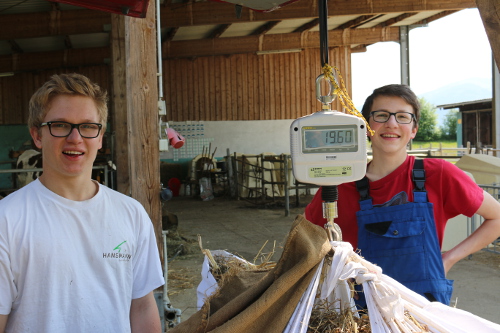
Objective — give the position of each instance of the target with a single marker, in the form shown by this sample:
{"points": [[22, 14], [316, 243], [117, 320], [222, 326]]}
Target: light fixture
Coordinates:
{"points": [[6, 74]]}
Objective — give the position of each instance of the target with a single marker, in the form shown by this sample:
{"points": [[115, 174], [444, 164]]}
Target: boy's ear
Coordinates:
{"points": [[414, 132], [37, 137]]}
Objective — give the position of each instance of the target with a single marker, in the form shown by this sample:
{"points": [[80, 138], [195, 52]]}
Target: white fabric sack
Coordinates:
{"points": [[300, 318], [208, 284], [387, 300]]}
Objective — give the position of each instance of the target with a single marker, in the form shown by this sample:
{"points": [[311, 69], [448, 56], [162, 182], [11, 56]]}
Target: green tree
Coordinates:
{"points": [[449, 128], [427, 126]]}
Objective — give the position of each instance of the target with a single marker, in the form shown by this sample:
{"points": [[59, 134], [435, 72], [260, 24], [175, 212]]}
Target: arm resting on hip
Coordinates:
{"points": [[484, 235]]}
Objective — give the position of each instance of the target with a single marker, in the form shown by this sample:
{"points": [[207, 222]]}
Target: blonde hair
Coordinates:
{"points": [[66, 84]]}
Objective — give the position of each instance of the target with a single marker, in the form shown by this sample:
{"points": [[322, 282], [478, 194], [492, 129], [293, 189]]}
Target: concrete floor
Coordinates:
{"points": [[242, 228]]}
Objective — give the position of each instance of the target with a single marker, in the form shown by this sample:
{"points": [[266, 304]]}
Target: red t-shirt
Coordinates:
{"points": [[451, 191]]}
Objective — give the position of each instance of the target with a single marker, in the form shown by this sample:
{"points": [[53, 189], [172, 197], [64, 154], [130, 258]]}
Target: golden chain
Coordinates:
{"points": [[341, 92]]}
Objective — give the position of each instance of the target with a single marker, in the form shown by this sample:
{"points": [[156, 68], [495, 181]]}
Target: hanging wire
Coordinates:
{"points": [[323, 31]]}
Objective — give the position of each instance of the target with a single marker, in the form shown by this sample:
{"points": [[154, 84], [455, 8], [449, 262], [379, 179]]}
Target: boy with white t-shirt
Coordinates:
{"points": [[75, 256]]}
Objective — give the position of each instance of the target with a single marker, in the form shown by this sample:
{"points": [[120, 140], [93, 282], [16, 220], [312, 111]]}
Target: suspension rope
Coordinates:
{"points": [[341, 91]]}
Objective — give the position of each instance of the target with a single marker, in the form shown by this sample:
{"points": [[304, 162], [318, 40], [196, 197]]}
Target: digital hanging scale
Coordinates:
{"points": [[328, 148]]}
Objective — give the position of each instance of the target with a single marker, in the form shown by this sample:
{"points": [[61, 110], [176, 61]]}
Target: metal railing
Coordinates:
{"points": [[105, 168]]}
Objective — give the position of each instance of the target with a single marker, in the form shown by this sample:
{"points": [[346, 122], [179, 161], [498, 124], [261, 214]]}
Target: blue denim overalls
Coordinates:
{"points": [[401, 238]]}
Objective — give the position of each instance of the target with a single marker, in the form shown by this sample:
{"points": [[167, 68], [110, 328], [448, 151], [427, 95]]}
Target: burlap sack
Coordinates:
{"points": [[260, 301]]}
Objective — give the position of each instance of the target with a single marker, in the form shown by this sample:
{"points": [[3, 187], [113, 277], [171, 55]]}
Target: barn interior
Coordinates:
{"points": [[224, 68], [221, 63]]}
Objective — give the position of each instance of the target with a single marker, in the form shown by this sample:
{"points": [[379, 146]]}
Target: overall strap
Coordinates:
{"points": [[418, 176], [363, 187]]}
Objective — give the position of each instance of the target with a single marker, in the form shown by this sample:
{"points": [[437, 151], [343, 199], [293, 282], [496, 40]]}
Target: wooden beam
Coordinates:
{"points": [[54, 23], [15, 47], [119, 103], [209, 12], [308, 26], [196, 48], [436, 17], [263, 29], [490, 14], [67, 42], [55, 59], [250, 44], [218, 31], [357, 21], [142, 115], [395, 20], [72, 22], [359, 49], [171, 34]]}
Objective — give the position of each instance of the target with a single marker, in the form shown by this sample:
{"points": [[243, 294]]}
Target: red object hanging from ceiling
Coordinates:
{"points": [[134, 8]]}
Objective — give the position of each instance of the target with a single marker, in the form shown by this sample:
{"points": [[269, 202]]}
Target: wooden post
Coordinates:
{"points": [[119, 103], [136, 112], [490, 15]]}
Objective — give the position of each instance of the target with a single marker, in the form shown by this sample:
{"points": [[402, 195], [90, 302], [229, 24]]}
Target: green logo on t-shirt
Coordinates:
{"points": [[118, 246]]}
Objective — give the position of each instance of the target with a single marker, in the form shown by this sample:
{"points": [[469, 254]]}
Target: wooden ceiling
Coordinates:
{"points": [[39, 34]]}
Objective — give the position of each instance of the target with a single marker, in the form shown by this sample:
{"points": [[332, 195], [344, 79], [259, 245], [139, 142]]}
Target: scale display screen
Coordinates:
{"points": [[332, 139], [328, 148]]}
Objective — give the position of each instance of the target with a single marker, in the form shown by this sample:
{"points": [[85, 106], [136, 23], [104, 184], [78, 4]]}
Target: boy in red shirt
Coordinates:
{"points": [[398, 223]]}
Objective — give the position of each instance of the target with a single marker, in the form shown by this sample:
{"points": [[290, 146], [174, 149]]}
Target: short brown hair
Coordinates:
{"points": [[393, 90], [66, 84]]}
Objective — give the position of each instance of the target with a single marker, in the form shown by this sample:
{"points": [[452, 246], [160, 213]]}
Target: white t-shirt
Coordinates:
{"points": [[74, 266]]}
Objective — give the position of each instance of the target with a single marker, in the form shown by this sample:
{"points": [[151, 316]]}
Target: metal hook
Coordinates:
{"points": [[327, 99]]}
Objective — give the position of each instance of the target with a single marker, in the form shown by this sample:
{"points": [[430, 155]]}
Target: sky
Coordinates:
{"points": [[450, 49]]}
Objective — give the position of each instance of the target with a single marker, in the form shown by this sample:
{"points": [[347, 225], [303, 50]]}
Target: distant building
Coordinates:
{"points": [[475, 123]]}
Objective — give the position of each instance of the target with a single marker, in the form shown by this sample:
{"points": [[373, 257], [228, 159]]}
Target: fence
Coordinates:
{"points": [[267, 180], [446, 152], [106, 174]]}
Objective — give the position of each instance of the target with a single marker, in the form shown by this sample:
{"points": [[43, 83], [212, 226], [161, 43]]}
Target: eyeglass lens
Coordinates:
{"points": [[383, 116], [62, 129]]}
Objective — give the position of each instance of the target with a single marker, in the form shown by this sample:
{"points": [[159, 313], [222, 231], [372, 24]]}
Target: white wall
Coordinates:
{"points": [[250, 137]]}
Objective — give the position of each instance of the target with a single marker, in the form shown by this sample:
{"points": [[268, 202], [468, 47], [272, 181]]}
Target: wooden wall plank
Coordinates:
{"points": [[237, 87], [272, 85], [254, 87], [262, 87], [211, 88], [217, 87], [233, 111], [17, 90], [285, 87], [227, 88]]}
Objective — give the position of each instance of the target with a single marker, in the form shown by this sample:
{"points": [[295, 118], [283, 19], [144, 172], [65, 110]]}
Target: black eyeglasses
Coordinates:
{"points": [[61, 129], [401, 117]]}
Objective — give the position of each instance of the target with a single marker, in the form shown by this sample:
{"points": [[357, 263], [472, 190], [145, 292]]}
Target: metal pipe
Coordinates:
{"points": [[158, 46], [172, 315], [285, 186]]}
